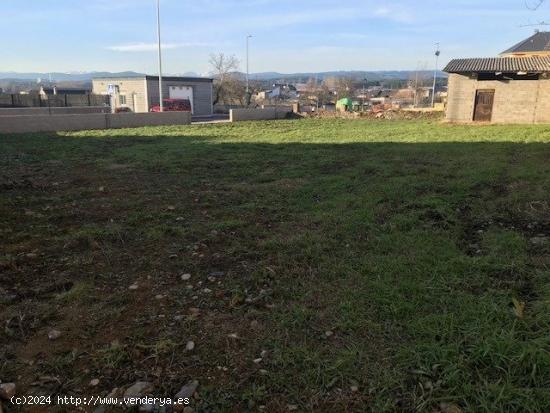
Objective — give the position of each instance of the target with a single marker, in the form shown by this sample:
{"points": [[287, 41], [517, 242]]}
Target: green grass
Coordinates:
{"points": [[409, 241]]}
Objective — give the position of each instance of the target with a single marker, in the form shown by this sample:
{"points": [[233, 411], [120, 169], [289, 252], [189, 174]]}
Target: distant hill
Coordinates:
{"points": [[355, 74], [264, 76], [64, 77]]}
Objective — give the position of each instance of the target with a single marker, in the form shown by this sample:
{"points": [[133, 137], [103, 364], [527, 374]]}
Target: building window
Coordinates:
{"points": [[122, 99]]}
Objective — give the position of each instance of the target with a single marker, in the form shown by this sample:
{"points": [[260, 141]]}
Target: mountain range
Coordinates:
{"points": [[263, 76]]}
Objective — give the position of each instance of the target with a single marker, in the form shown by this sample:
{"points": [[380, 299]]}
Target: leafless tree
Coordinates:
{"points": [[224, 68], [534, 4], [345, 88]]}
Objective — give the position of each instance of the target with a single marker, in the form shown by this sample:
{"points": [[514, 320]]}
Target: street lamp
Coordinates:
{"points": [[437, 53], [248, 37], [160, 57]]}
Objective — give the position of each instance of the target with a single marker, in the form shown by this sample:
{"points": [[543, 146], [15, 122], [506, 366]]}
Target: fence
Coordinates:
{"points": [[36, 100]]}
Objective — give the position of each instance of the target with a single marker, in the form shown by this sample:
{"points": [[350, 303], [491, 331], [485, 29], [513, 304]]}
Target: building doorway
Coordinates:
{"points": [[182, 92], [483, 111]]}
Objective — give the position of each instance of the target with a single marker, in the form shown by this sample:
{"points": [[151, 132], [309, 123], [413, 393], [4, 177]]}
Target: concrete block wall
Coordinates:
{"points": [[57, 123], [54, 111], [238, 115], [516, 101]]}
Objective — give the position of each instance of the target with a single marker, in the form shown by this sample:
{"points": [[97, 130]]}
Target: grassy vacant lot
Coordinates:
{"points": [[379, 266]]}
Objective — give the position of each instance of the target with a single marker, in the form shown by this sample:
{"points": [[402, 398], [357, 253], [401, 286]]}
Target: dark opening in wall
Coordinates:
{"points": [[506, 76]]}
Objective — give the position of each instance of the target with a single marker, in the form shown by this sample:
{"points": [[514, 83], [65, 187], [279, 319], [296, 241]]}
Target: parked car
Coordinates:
{"points": [[123, 110], [174, 105]]}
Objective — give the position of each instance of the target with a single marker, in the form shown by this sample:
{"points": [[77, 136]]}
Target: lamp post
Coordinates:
{"points": [[160, 57], [437, 53], [248, 37]]}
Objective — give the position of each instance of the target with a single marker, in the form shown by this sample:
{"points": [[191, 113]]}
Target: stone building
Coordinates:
{"points": [[511, 88]]}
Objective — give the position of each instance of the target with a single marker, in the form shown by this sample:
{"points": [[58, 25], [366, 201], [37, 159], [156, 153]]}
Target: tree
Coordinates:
{"points": [[345, 88], [534, 4], [224, 68]]}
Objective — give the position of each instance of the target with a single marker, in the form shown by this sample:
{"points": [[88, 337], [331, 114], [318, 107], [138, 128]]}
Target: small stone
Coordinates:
{"points": [[263, 372], [94, 382], [258, 360], [212, 279], [147, 408], [139, 388], [114, 393], [159, 297], [31, 255], [539, 240], [178, 317], [207, 291], [54, 334], [354, 389], [292, 407], [101, 189], [187, 391], [233, 336], [180, 218], [329, 333], [450, 408], [190, 346], [7, 390], [254, 324], [133, 287], [170, 207], [186, 277]]}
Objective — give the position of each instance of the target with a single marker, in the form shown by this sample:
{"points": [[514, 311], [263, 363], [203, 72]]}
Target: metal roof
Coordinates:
{"points": [[539, 42], [181, 79], [164, 78], [500, 64]]}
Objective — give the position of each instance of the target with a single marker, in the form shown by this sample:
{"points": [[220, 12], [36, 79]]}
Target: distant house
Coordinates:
{"points": [[511, 88], [141, 93], [536, 45]]}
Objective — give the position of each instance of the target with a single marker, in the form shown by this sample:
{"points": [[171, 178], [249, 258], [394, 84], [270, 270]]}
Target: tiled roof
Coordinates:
{"points": [[539, 42], [499, 64]]}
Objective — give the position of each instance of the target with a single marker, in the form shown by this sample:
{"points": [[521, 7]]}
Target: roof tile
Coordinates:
{"points": [[500, 64]]}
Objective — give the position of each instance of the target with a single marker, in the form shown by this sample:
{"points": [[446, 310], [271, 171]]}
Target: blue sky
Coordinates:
{"points": [[289, 35]]}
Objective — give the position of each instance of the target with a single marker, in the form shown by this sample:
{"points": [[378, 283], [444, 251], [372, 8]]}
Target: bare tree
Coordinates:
{"points": [[534, 4], [223, 68], [345, 88]]}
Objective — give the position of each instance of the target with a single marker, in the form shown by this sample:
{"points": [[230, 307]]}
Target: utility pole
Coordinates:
{"points": [[416, 86], [160, 57], [247, 62], [437, 53]]}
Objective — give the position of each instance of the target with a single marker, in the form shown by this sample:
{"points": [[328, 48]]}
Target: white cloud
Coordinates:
{"points": [[150, 47]]}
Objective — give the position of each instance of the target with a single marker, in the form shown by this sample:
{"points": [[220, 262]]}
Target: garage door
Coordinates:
{"points": [[182, 92]]}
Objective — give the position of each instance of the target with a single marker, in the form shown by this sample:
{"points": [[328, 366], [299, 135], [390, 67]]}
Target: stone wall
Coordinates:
{"points": [[55, 123], [238, 115], [516, 101]]}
